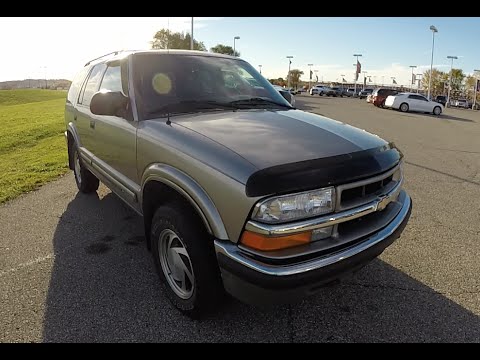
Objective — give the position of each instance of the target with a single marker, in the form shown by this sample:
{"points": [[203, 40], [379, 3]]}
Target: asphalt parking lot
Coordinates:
{"points": [[75, 268]]}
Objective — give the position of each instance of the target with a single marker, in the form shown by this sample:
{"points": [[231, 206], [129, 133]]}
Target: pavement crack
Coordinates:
{"points": [[431, 291], [27, 264], [393, 288]]}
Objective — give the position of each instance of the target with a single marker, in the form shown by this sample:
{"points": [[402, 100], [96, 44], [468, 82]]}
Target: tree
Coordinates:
{"points": [[295, 77], [165, 39], [470, 82], [280, 82], [439, 82], [224, 49]]}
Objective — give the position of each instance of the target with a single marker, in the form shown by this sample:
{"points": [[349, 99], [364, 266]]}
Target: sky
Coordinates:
{"points": [[59, 47]]}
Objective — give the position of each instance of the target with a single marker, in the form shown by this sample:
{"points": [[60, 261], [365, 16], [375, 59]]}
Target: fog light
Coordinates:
{"points": [[322, 233]]}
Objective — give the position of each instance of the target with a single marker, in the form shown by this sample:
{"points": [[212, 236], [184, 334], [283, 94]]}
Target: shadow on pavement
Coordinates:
{"points": [[104, 289]]}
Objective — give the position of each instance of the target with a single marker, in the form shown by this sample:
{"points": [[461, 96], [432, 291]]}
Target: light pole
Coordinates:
{"points": [[191, 37], [310, 76], [412, 81], [364, 79], [419, 76], [343, 77], [288, 75], [393, 79], [434, 30], [235, 38], [475, 92], [356, 73], [260, 67], [450, 80]]}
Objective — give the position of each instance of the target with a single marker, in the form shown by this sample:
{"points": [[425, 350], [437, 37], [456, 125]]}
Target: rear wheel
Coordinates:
{"points": [[404, 107], [437, 110], [86, 181]]}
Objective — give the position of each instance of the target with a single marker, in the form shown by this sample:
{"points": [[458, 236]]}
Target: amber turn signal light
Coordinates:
{"points": [[268, 243]]}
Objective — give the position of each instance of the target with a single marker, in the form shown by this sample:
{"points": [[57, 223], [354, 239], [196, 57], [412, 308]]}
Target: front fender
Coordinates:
{"points": [[192, 191]]}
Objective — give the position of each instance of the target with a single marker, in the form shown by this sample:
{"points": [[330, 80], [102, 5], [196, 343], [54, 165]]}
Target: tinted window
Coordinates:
{"points": [[112, 80], [169, 83], [77, 84], [91, 85]]}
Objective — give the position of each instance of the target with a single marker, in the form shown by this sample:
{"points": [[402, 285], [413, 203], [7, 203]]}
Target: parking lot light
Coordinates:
{"points": [[434, 30], [235, 38]]}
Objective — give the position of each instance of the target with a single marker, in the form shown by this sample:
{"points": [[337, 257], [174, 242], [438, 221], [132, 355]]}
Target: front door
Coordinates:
{"points": [[115, 136]]}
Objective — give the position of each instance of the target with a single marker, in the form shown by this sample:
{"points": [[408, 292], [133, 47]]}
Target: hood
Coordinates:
{"points": [[293, 142]]}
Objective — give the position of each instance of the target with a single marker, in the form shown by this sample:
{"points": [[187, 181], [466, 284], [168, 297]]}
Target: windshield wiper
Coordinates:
{"points": [[186, 106], [255, 101]]}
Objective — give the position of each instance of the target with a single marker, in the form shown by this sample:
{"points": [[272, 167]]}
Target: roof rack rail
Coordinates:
{"points": [[111, 53]]}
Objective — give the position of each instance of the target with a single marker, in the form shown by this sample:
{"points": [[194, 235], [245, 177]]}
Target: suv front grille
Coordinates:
{"points": [[365, 191]]}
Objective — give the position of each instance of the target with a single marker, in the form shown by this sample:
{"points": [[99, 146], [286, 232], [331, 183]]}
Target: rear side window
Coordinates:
{"points": [[77, 84], [91, 85]]}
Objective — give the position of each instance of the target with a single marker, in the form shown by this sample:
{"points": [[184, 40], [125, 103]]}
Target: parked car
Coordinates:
{"points": [[322, 90], [462, 103], [239, 191], [413, 102], [364, 93], [338, 91], [369, 98], [441, 99], [286, 94], [379, 96], [350, 92]]}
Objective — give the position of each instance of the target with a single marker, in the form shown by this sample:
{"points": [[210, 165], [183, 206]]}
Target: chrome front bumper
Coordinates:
{"points": [[258, 282]]}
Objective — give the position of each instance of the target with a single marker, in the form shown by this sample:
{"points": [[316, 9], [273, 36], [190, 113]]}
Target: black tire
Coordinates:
{"points": [[437, 110], [403, 107], [207, 291], [85, 180]]}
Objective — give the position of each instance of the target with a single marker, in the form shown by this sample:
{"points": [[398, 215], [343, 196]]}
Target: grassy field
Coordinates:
{"points": [[32, 144]]}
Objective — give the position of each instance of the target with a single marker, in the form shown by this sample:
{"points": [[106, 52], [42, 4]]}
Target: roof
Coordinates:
{"points": [[116, 55]]}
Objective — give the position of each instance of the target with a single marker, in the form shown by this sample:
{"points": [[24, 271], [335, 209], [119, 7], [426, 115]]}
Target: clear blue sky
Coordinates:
{"points": [[388, 45]]}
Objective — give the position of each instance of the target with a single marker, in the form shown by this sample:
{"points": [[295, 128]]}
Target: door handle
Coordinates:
{"points": [[75, 117], [92, 124]]}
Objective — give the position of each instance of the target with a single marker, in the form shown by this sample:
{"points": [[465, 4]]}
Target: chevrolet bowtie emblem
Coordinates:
{"points": [[384, 201]]}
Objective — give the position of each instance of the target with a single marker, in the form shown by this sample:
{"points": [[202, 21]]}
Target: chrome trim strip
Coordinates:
{"points": [[232, 251], [332, 219]]}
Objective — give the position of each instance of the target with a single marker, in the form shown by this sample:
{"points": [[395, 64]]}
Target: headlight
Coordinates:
{"points": [[293, 207]]}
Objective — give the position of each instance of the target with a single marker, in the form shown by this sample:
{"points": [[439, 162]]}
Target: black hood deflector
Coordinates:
{"points": [[318, 173]]}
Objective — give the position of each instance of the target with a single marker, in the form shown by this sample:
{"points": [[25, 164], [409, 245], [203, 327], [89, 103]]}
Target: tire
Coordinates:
{"points": [[437, 110], [85, 180], [382, 105], [201, 291], [403, 107]]}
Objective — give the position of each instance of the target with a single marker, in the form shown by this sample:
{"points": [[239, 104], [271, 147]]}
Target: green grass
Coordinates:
{"points": [[32, 145]]}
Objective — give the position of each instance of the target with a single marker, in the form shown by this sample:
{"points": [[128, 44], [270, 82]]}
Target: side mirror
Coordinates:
{"points": [[287, 96], [111, 103]]}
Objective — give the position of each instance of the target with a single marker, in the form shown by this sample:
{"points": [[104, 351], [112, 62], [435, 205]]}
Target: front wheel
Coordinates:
{"points": [[86, 181], [185, 259], [437, 110], [404, 107]]}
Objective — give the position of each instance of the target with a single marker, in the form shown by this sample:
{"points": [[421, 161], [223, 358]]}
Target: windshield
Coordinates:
{"points": [[175, 84]]}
